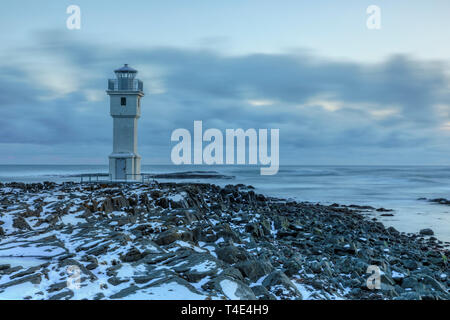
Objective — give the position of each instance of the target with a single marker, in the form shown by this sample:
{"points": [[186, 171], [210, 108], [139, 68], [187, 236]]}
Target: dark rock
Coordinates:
{"points": [[292, 267], [426, 232], [392, 231], [254, 269], [34, 278], [409, 296], [433, 283], [92, 266], [21, 223], [383, 210], [115, 281], [232, 273], [24, 273], [278, 283], [163, 203], [62, 295], [132, 255], [344, 250], [262, 293], [10, 270], [409, 282], [98, 296], [410, 264], [4, 266], [440, 201], [172, 235], [233, 288], [231, 254], [125, 292], [255, 230], [195, 266], [57, 286]]}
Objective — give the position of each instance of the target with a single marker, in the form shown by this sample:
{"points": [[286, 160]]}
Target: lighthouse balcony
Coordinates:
{"points": [[125, 84]]}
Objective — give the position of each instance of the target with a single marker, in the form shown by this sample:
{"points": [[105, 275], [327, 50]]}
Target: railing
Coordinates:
{"points": [[105, 177], [94, 177], [125, 84], [141, 177]]}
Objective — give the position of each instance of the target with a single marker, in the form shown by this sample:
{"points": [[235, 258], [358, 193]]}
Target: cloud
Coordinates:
{"points": [[52, 94]]}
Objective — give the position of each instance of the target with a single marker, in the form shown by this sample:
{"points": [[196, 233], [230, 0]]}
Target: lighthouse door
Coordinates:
{"points": [[121, 169]]}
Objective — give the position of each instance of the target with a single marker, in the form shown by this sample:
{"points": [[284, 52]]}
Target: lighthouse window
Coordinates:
{"points": [[123, 101]]}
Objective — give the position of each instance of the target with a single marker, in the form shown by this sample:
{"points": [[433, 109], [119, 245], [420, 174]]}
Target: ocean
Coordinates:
{"points": [[392, 187]]}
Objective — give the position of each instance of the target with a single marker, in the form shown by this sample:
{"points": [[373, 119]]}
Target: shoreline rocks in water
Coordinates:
{"points": [[201, 241], [191, 175]]}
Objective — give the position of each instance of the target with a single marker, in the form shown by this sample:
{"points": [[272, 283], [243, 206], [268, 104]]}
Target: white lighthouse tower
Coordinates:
{"points": [[125, 94]]}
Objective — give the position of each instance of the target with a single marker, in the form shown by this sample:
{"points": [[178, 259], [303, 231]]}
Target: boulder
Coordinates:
{"points": [[21, 223], [195, 266], [433, 283], [426, 232], [278, 283], [231, 254], [233, 289], [254, 269], [172, 235], [132, 255], [262, 293]]}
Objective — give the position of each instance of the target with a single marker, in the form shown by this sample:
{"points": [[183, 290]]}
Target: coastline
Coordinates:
{"points": [[395, 187], [202, 241]]}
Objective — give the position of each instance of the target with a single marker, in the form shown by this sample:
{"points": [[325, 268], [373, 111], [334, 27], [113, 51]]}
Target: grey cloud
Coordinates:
{"points": [[205, 85]]}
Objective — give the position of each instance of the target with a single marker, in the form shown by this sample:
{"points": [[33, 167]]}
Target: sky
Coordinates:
{"points": [[340, 93]]}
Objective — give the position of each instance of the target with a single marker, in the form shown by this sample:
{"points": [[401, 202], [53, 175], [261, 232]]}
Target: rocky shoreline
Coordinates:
{"points": [[201, 241]]}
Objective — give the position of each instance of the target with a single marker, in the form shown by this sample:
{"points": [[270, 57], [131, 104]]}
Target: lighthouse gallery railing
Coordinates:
{"points": [[125, 84]]}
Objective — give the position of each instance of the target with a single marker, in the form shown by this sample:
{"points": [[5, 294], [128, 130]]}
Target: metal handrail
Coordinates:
{"points": [[97, 177], [125, 85], [144, 177]]}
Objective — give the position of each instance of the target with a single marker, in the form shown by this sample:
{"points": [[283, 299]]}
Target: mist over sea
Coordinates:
{"points": [[391, 187]]}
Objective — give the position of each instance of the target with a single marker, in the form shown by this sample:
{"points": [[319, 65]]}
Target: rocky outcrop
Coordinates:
{"points": [[201, 241]]}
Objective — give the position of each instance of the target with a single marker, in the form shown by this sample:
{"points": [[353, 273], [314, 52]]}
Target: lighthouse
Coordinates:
{"points": [[125, 93]]}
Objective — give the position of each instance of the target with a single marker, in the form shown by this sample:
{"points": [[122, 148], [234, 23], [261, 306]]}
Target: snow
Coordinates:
{"points": [[19, 291], [204, 266], [127, 270], [26, 262], [32, 251], [71, 219], [169, 291], [306, 292], [211, 250], [396, 274], [260, 281], [188, 245], [176, 198], [229, 289]]}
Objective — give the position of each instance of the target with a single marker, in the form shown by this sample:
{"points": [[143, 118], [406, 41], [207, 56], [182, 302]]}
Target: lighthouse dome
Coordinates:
{"points": [[125, 69]]}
